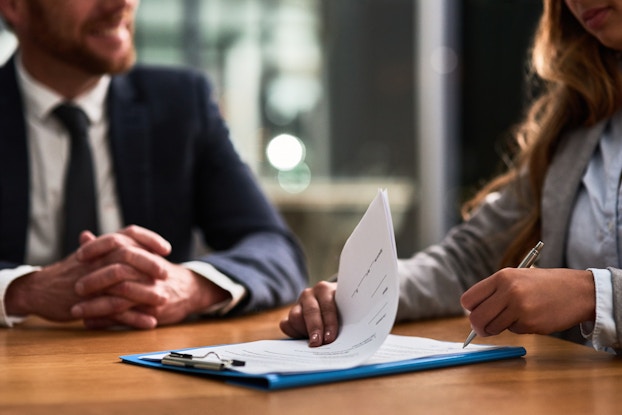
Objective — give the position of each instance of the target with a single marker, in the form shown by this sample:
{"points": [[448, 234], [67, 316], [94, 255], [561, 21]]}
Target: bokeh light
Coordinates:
{"points": [[285, 152], [295, 180]]}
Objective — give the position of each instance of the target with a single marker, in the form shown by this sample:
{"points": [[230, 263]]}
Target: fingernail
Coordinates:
{"points": [[77, 311], [327, 336], [314, 339]]}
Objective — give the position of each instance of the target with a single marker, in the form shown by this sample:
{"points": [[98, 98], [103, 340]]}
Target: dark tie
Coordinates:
{"points": [[80, 210]]}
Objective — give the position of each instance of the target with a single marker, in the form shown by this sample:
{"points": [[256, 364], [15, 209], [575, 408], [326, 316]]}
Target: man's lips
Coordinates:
{"points": [[111, 26]]}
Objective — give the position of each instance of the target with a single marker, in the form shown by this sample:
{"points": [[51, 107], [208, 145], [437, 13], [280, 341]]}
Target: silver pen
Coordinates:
{"points": [[528, 261]]}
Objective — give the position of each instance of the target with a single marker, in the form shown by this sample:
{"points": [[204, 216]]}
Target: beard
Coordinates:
{"points": [[62, 43]]}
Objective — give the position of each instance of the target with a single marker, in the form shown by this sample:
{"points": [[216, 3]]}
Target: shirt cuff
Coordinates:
{"points": [[236, 290], [7, 276], [602, 333]]}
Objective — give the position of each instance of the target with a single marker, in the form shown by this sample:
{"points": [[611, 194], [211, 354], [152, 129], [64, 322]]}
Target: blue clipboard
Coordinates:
{"points": [[276, 381]]}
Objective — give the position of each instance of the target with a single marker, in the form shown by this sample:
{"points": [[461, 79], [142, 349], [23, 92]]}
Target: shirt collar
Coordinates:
{"points": [[41, 100]]}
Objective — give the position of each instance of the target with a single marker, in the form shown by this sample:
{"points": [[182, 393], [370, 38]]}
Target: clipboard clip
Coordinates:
{"points": [[200, 362]]}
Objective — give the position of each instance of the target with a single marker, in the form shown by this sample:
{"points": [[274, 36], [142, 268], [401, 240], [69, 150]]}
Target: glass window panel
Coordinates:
{"points": [[326, 86]]}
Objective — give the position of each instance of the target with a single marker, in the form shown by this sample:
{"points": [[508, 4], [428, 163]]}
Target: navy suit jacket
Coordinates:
{"points": [[176, 172]]}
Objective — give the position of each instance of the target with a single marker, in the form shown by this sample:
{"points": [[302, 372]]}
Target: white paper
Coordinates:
{"points": [[368, 289], [295, 356], [367, 297]]}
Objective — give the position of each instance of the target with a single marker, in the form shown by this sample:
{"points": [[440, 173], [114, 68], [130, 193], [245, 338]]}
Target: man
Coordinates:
{"points": [[163, 167]]}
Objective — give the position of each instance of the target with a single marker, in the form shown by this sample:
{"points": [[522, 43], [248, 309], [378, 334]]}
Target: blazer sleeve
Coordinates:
{"points": [[432, 281], [248, 238]]}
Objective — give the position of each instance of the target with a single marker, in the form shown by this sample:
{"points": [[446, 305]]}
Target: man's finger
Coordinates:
{"points": [[103, 306], [137, 292], [148, 239], [107, 277]]}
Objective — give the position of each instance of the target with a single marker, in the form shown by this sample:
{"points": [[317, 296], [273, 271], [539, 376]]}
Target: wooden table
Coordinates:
{"points": [[63, 369]]}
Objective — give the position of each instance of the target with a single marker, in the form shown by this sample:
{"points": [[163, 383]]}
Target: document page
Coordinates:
{"points": [[368, 288], [295, 356]]}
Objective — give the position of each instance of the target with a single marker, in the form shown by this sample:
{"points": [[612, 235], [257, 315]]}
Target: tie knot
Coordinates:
{"points": [[73, 118]]}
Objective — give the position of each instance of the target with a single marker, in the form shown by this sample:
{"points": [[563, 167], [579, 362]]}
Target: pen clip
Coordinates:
{"points": [[532, 255], [189, 360]]}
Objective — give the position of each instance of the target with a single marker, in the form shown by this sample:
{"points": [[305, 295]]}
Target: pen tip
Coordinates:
{"points": [[470, 337]]}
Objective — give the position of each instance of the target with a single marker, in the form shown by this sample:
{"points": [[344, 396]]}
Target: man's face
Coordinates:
{"points": [[95, 36]]}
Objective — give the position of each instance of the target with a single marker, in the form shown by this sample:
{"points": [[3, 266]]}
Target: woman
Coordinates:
{"points": [[563, 188]]}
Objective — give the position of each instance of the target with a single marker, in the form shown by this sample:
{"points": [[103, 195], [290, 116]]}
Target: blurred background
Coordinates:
{"points": [[330, 100]]}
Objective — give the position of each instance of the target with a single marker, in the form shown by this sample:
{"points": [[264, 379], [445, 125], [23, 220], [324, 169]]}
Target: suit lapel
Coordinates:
{"points": [[131, 151], [561, 186], [14, 170]]}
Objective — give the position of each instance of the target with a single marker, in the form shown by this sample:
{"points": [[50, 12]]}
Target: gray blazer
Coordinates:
{"points": [[432, 281]]}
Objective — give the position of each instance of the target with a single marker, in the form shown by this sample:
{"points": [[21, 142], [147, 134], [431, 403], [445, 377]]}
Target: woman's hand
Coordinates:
{"points": [[314, 315], [531, 300]]}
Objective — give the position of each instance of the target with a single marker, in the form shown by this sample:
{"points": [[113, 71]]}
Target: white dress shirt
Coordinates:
{"points": [[595, 230], [48, 144]]}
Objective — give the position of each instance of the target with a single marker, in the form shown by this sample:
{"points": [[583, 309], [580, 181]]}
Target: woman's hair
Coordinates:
{"points": [[578, 83]]}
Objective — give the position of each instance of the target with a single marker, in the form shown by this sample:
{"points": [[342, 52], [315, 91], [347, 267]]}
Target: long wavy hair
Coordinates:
{"points": [[578, 83]]}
